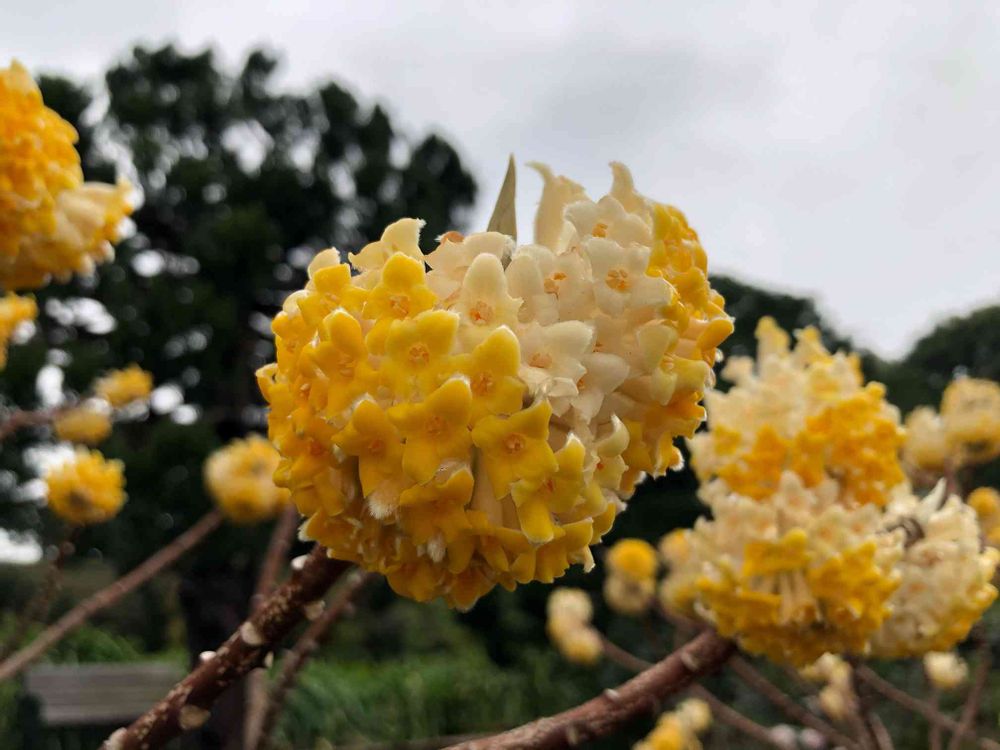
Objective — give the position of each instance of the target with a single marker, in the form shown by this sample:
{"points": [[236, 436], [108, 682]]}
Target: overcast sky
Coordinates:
{"points": [[850, 153]]}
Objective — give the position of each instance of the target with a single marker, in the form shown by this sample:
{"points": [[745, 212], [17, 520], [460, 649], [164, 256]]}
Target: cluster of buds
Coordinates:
{"points": [[15, 312], [630, 576], [837, 697], [945, 670], [568, 625], [483, 422], [239, 477], [679, 729], [52, 223], [86, 488], [90, 421]]}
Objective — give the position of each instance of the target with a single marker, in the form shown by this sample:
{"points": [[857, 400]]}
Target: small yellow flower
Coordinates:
{"points": [[372, 437], [679, 729], [15, 311], [633, 558], [435, 429], [123, 387], [400, 293], [86, 488], [240, 478], [945, 669], [492, 372], [569, 614], [418, 352], [516, 447], [970, 410], [87, 424]]}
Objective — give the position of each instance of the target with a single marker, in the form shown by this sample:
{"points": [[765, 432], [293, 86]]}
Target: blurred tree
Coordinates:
{"points": [[241, 185]]}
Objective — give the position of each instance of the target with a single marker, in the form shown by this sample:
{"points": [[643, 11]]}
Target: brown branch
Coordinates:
{"points": [[277, 551], [934, 743], [603, 715], [790, 707], [867, 724], [109, 595], [30, 418], [720, 710], [424, 743], [37, 608], [907, 701], [975, 696], [314, 637], [188, 704]]}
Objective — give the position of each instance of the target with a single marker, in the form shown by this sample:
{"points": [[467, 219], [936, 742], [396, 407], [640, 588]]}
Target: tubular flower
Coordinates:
{"points": [[970, 410], [14, 312], [986, 502], [946, 670], [483, 422], [87, 424], [239, 477], [569, 613], [945, 576], [679, 729], [86, 489], [793, 577], [51, 222], [123, 387], [837, 697], [803, 410], [631, 578]]}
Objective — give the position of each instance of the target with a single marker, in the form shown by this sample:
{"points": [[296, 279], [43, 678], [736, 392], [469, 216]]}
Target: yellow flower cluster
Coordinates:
{"points": [[679, 729], [837, 697], [569, 613], [123, 387], [14, 311], [86, 488], [630, 582], [966, 432], [802, 410], [946, 670], [240, 478], [482, 422], [945, 576], [88, 424], [986, 502], [51, 222]]}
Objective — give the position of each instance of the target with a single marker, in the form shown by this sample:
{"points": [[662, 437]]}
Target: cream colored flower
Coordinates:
{"points": [[569, 614], [926, 447], [945, 669], [970, 410], [451, 260]]}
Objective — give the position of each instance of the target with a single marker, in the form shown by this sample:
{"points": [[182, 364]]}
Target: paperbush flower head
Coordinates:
{"points": [[945, 576], [14, 312], [86, 488], [792, 576], [970, 410], [802, 410], [985, 501], [926, 447], [946, 670], [123, 387], [630, 582], [679, 729], [483, 422], [569, 614], [239, 477], [88, 424], [51, 222]]}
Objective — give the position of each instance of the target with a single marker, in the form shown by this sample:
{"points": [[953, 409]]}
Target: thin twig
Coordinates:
{"points": [[868, 726], [601, 716], [188, 705], [975, 696], [720, 710], [424, 743], [789, 706], [904, 699], [37, 608], [109, 595], [314, 637], [30, 418], [277, 551], [934, 742]]}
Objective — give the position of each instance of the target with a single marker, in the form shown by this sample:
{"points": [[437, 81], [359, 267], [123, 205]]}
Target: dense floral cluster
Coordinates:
{"points": [[837, 697], [679, 729], [482, 423], [86, 488], [240, 478], [51, 222], [630, 579], [985, 501], [568, 625], [966, 432], [123, 387], [816, 542], [87, 424], [14, 312]]}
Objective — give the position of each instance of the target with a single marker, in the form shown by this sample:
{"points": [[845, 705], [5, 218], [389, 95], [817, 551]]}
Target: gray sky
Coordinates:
{"points": [[850, 152]]}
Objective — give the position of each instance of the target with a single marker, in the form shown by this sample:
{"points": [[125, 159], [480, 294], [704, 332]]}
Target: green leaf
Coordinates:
{"points": [[504, 218]]}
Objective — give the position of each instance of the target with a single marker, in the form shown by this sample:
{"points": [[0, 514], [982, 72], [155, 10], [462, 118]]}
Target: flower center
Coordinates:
{"points": [[482, 383], [514, 443], [419, 355], [345, 365], [600, 229], [552, 282], [481, 313], [376, 447], [400, 305], [540, 359], [617, 279], [435, 426]]}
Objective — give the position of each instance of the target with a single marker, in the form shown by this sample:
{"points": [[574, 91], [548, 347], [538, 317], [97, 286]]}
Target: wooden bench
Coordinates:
{"points": [[80, 695]]}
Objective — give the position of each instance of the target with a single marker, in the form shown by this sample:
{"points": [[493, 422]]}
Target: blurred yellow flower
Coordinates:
{"points": [[679, 729], [51, 222], [87, 424], [970, 410], [123, 387], [986, 502], [86, 488], [14, 312], [483, 422], [946, 670], [569, 613], [630, 582], [239, 477]]}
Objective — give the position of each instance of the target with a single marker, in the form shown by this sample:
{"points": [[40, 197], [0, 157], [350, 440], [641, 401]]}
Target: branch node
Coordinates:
{"points": [[690, 661], [612, 695], [206, 656], [192, 717], [250, 634], [314, 609], [299, 562]]}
